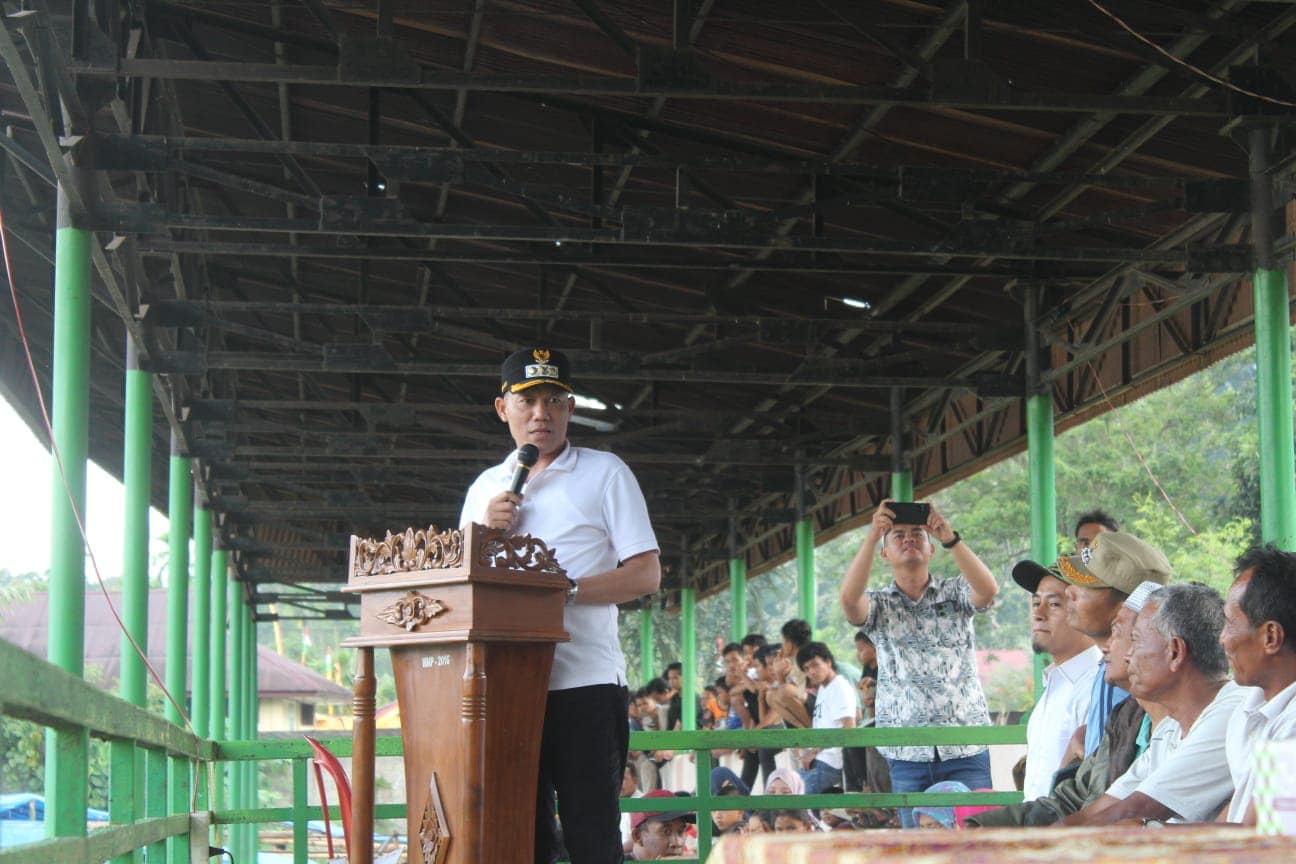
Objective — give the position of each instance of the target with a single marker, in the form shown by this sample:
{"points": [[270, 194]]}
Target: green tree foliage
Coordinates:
{"points": [[1197, 438]]}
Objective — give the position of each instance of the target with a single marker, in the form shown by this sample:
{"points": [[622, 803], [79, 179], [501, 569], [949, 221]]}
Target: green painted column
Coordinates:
{"points": [[1274, 408], [1042, 486], [737, 598], [737, 582], [805, 558], [136, 476], [236, 695], [216, 701], [66, 750], [202, 533], [901, 473], [252, 706], [688, 662], [180, 513], [128, 792], [1273, 357], [807, 599], [646, 658], [902, 485]]}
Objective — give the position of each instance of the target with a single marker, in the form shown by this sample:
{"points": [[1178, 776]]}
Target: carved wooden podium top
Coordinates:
{"points": [[425, 585]]}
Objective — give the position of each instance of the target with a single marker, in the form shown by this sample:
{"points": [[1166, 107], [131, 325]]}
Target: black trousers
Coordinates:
{"points": [[582, 760], [762, 760]]}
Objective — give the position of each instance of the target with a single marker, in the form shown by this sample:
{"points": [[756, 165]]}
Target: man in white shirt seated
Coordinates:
{"points": [[1068, 680], [1259, 613], [1176, 659], [834, 708]]}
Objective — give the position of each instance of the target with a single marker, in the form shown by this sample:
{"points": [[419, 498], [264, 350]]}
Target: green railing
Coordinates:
{"points": [[34, 690]]}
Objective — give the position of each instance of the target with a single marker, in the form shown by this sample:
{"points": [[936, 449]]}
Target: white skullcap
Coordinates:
{"points": [[1140, 595]]}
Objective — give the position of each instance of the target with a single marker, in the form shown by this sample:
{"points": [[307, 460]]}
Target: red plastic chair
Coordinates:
{"points": [[325, 760]]}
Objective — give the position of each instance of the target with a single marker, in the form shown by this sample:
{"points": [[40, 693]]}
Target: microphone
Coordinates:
{"points": [[527, 455]]}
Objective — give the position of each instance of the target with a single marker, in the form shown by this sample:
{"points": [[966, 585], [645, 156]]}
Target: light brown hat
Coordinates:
{"points": [[1116, 560]]}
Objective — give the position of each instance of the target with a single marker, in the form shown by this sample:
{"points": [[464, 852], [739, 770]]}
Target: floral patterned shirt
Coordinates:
{"points": [[926, 656]]}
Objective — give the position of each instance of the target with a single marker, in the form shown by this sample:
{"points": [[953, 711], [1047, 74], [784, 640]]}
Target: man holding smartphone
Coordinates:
{"points": [[926, 650]]}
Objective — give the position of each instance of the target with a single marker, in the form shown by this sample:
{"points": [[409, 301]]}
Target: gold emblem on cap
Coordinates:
{"points": [[541, 355], [1075, 576]]}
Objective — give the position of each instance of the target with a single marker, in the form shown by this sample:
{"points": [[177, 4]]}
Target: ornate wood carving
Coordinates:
{"points": [[517, 552], [412, 611], [434, 835], [411, 550]]}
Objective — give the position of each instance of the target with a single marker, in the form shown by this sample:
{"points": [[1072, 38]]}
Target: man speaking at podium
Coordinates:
{"points": [[586, 506]]}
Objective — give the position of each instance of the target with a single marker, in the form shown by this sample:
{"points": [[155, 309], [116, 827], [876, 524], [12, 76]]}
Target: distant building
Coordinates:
{"points": [[290, 694]]}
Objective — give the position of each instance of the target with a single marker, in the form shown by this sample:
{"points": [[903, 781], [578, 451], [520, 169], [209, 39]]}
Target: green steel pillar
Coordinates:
{"points": [[646, 660], [252, 707], [901, 474], [737, 583], [67, 750], [236, 694], [1273, 359], [128, 793], [1043, 491], [180, 512], [688, 662], [202, 532], [805, 556], [216, 702], [1039, 445]]}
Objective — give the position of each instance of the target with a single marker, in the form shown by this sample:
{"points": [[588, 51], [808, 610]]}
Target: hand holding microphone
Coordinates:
{"points": [[502, 510]]}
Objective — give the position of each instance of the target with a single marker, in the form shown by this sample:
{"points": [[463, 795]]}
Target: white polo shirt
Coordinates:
{"points": [[587, 507], [1061, 709], [1253, 722], [1187, 772]]}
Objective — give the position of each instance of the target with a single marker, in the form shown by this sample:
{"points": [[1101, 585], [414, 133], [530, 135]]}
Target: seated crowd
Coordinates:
{"points": [[1139, 719]]}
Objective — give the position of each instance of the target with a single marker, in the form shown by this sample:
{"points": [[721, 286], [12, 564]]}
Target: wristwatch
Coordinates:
{"points": [[957, 539], [573, 587]]}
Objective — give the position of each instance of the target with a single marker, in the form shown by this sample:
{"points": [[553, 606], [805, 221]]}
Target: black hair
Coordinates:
{"points": [[766, 651], [811, 650], [677, 666], [656, 685], [1271, 593], [1095, 517], [800, 815], [710, 688], [765, 816], [861, 636], [721, 684], [796, 631], [731, 648], [756, 639]]}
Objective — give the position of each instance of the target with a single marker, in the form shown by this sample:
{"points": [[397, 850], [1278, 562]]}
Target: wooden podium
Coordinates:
{"points": [[471, 617]]}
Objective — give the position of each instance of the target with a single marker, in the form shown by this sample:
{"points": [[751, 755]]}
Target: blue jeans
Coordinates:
{"points": [[821, 776], [971, 771]]}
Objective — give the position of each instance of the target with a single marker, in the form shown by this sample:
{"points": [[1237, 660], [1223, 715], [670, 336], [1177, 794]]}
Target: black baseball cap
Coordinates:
{"points": [[532, 366], [1028, 574]]}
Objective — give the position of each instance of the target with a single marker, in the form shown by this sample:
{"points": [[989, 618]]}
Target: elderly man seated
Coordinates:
{"points": [[1176, 660], [658, 835], [1128, 725], [1260, 641]]}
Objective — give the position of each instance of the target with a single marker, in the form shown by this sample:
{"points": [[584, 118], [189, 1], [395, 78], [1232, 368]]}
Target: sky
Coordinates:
{"points": [[28, 474]]}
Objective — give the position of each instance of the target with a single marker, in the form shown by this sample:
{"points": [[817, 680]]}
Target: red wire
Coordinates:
{"points": [[67, 488]]}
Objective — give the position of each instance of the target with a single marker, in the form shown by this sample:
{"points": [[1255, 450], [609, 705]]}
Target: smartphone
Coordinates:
{"points": [[910, 513]]}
